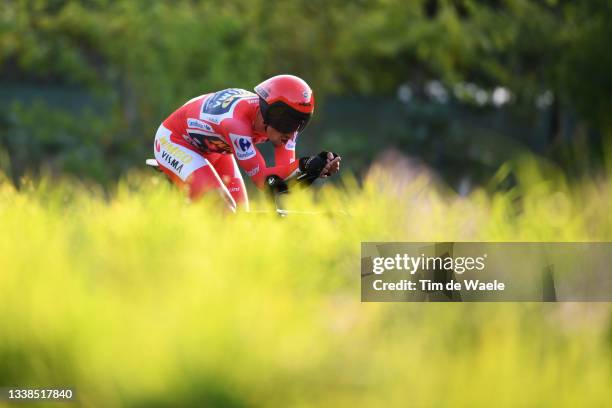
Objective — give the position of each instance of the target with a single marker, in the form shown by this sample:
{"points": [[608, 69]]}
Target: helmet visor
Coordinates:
{"points": [[284, 118]]}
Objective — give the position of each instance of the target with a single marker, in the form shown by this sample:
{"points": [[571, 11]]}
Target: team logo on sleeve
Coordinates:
{"points": [[243, 145], [290, 145], [199, 124], [253, 171]]}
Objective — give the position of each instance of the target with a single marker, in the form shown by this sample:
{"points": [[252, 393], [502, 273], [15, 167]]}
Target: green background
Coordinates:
{"points": [[84, 84]]}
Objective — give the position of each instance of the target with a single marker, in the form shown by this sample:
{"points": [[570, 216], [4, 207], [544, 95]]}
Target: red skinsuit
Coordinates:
{"points": [[197, 146]]}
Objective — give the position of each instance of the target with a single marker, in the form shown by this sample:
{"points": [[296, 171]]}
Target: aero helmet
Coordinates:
{"points": [[286, 103]]}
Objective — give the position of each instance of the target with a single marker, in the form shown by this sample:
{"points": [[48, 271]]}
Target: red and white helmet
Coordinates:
{"points": [[286, 103]]}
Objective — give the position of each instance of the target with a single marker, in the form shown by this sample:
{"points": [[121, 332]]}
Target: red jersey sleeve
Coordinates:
{"points": [[239, 136], [285, 154]]}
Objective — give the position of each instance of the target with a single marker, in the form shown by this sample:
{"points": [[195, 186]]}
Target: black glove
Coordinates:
{"points": [[276, 185], [311, 167]]}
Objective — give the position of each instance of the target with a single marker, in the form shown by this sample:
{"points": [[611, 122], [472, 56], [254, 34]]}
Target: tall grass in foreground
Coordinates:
{"points": [[144, 300]]}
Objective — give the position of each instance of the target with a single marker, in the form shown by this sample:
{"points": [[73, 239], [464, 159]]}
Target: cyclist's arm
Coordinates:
{"points": [[284, 154], [250, 159]]}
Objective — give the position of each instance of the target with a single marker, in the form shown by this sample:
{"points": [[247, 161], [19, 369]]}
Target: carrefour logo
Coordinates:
{"points": [[243, 146]]}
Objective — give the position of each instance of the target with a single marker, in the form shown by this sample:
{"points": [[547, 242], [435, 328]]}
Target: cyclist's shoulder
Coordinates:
{"points": [[225, 100], [229, 107]]}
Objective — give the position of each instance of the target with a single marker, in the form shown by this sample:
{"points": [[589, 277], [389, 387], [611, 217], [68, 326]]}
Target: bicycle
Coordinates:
{"points": [[277, 189]]}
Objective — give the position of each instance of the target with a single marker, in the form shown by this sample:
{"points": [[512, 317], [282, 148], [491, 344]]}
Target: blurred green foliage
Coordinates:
{"points": [[145, 58], [138, 300]]}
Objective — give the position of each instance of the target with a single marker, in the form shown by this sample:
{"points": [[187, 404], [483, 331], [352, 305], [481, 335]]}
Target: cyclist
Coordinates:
{"points": [[199, 145]]}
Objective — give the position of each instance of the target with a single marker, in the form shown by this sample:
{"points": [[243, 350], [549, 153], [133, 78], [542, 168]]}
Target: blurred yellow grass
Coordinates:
{"points": [[137, 298]]}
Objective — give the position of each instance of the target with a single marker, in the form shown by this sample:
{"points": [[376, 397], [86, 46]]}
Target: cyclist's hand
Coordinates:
{"points": [[312, 167], [333, 164], [322, 165]]}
